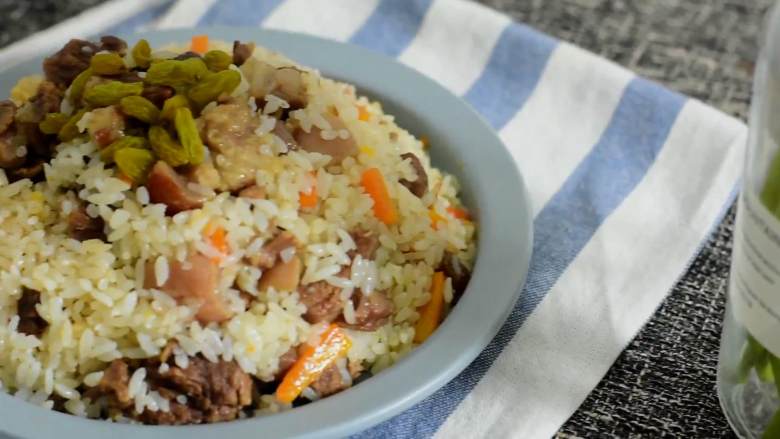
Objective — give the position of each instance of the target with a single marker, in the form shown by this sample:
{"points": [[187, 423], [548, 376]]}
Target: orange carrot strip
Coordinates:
{"points": [[333, 345], [374, 184], [435, 218], [363, 114], [308, 200], [199, 44], [458, 213], [216, 236], [431, 312]]}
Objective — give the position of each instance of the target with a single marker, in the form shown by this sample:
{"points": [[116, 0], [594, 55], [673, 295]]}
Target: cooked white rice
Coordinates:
{"points": [[92, 293]]}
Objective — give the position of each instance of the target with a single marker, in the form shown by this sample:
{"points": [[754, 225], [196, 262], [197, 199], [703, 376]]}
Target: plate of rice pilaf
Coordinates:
{"points": [[196, 229]]}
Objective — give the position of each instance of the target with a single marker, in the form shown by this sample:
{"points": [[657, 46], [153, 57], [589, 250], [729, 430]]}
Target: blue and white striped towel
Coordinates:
{"points": [[626, 178]]}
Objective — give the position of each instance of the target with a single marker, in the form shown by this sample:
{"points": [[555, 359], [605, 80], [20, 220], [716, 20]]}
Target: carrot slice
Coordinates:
{"points": [[308, 200], [431, 312], [374, 184], [458, 212], [217, 237], [363, 114], [312, 360], [199, 44]]}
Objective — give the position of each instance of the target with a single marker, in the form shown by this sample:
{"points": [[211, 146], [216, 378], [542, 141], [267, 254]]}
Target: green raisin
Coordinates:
{"points": [[142, 54], [107, 64], [78, 85], [111, 92], [70, 131], [53, 123], [217, 60], [134, 163], [139, 108], [171, 104], [211, 87], [107, 153], [166, 148], [178, 74], [188, 135]]}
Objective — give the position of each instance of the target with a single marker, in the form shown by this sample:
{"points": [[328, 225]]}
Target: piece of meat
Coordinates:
{"points": [[46, 100], [193, 282], [284, 276], [322, 300], [113, 44], [254, 192], [286, 361], [83, 227], [333, 381], [9, 152], [106, 125], [372, 311], [229, 126], [366, 244], [33, 171], [157, 94], [281, 131], [186, 55], [30, 322], [114, 384], [62, 67], [454, 269], [242, 52], [267, 256], [178, 414], [126, 76], [338, 149], [167, 187], [7, 113], [215, 391], [419, 186], [290, 87]]}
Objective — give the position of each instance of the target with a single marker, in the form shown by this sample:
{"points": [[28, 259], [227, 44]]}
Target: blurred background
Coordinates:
{"points": [[664, 382]]}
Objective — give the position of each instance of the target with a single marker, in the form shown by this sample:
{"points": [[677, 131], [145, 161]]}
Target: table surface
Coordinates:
{"points": [[664, 381]]}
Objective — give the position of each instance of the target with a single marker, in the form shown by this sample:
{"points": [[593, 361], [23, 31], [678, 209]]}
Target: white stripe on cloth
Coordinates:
{"points": [[89, 22], [612, 287], [185, 13], [471, 28], [333, 19], [564, 117]]}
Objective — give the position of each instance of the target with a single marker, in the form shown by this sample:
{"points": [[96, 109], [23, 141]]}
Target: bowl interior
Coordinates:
{"points": [[462, 144]]}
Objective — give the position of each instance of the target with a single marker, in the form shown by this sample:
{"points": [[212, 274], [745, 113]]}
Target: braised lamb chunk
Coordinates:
{"points": [[334, 380], [193, 282], [371, 311], [157, 94], [269, 253], [215, 391], [242, 52], [322, 300], [62, 67], [366, 244], [286, 361], [30, 322], [9, 153], [7, 112], [419, 186], [457, 272], [32, 170], [167, 187], [83, 227], [290, 87], [113, 44], [281, 131], [186, 55], [338, 148], [114, 384]]}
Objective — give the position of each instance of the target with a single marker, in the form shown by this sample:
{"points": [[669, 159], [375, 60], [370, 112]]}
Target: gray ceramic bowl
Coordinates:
{"points": [[464, 145]]}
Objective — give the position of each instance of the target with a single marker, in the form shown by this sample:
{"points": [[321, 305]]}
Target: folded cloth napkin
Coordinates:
{"points": [[626, 180]]}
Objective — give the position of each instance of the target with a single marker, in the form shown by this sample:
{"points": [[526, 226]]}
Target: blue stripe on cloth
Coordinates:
{"points": [[238, 12], [392, 26], [514, 68], [628, 147], [142, 18]]}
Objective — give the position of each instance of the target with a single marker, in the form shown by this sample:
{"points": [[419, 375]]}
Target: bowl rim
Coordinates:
{"points": [[504, 247]]}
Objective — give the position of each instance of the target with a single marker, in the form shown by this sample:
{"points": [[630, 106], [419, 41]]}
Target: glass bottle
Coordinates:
{"points": [[749, 362]]}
